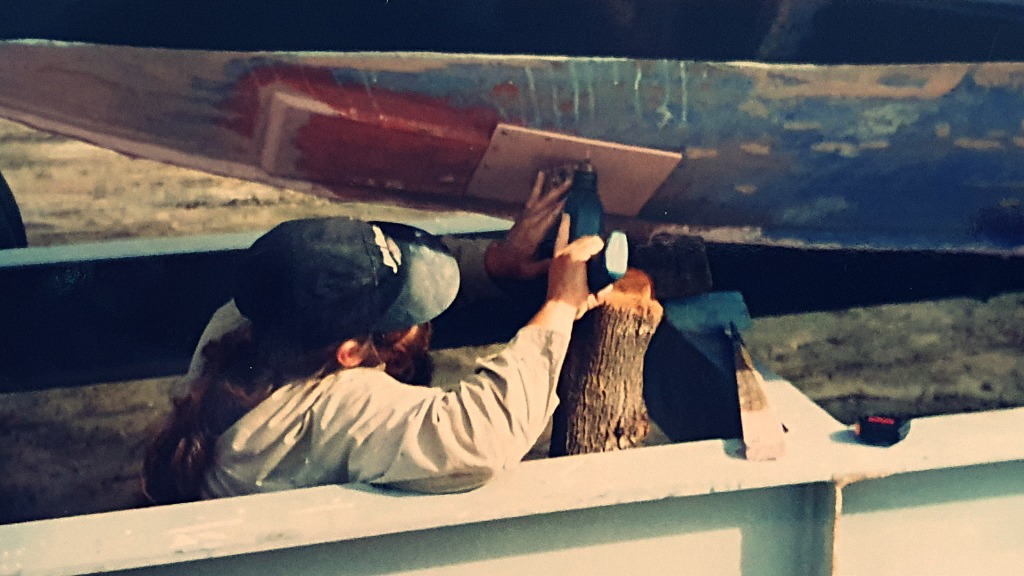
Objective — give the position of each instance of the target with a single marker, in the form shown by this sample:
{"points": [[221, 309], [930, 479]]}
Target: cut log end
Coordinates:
{"points": [[634, 294]]}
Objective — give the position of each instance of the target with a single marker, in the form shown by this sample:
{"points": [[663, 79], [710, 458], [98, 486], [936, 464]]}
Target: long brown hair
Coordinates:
{"points": [[241, 370]]}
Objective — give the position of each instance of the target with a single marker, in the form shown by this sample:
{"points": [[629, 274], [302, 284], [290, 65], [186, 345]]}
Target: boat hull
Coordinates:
{"points": [[925, 156]]}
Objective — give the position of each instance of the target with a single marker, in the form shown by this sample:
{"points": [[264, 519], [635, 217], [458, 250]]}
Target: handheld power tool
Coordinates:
{"points": [[586, 218]]}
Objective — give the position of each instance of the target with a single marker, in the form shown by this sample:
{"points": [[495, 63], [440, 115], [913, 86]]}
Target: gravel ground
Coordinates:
{"points": [[72, 451]]}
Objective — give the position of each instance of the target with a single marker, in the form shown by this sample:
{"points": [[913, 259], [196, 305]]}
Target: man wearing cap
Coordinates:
{"points": [[304, 377]]}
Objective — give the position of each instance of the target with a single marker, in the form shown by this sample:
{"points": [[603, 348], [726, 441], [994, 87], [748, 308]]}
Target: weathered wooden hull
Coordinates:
{"points": [[881, 156]]}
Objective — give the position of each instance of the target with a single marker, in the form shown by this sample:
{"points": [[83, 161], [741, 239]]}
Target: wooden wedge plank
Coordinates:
{"points": [[762, 430]]}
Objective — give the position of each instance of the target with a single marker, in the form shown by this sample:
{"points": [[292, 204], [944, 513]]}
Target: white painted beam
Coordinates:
{"points": [[684, 508], [948, 521], [441, 223]]}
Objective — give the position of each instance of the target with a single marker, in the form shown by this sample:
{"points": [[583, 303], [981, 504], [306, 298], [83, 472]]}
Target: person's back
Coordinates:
{"points": [[304, 378]]}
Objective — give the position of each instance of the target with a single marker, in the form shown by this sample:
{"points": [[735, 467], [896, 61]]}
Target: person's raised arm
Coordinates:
{"points": [[493, 270], [568, 297], [516, 257], [458, 440]]}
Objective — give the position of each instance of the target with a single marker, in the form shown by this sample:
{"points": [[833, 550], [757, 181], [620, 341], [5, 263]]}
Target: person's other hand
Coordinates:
{"points": [[515, 257]]}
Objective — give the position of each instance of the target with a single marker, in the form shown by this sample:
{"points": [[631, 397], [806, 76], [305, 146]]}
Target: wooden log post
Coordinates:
{"points": [[601, 385]]}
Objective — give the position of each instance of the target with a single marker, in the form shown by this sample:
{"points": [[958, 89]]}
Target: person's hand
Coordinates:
{"points": [[515, 257], [569, 297], [567, 275]]}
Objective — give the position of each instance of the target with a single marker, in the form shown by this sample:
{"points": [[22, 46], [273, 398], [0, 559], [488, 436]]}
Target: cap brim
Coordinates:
{"points": [[431, 278]]}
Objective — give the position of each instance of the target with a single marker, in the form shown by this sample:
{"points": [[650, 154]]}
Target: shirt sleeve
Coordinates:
{"points": [[226, 319], [475, 283], [432, 441]]}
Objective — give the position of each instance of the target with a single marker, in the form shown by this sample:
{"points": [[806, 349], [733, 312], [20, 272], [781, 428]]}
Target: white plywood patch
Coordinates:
{"points": [[627, 175], [283, 115]]}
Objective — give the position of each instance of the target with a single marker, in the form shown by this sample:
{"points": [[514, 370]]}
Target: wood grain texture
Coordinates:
{"points": [[601, 387]]}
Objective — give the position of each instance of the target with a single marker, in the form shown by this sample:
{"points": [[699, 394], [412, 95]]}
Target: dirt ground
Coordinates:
{"points": [[73, 451]]}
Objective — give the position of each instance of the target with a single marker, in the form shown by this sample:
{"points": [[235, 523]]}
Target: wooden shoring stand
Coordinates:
{"points": [[601, 386], [600, 389]]}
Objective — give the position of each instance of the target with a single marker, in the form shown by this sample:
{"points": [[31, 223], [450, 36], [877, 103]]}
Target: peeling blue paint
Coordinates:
{"points": [[917, 165], [896, 174]]}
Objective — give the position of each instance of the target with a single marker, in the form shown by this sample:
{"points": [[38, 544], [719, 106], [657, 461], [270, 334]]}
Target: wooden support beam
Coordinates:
{"points": [[677, 264], [762, 430], [134, 308]]}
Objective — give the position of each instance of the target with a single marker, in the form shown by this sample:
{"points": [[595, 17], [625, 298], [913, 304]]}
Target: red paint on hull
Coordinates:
{"points": [[370, 136]]}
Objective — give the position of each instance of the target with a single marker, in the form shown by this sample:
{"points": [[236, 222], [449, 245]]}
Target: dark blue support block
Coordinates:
{"points": [[80, 315]]}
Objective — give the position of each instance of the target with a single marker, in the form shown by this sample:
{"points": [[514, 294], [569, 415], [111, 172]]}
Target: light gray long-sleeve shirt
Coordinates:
{"points": [[362, 425]]}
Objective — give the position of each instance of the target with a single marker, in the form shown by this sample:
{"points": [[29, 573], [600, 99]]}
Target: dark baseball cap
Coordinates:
{"points": [[324, 280]]}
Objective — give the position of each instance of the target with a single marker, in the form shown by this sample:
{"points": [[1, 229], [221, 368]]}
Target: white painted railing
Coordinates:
{"points": [[949, 499]]}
